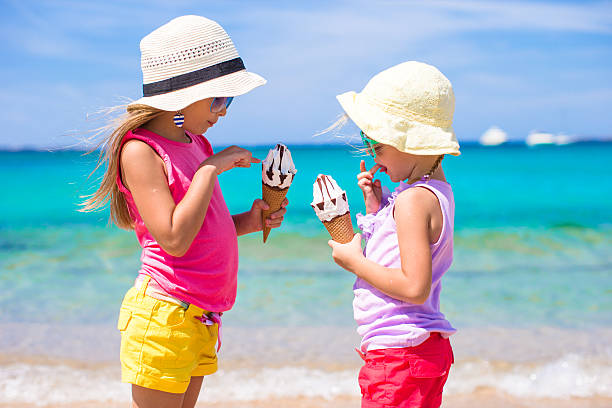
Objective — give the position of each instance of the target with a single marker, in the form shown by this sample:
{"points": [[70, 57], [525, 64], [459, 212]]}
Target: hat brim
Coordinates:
{"points": [[234, 84], [405, 135]]}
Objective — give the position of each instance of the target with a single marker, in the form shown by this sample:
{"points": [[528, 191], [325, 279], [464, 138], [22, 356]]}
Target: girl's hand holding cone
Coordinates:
{"points": [[274, 220], [274, 198], [346, 255], [254, 221]]}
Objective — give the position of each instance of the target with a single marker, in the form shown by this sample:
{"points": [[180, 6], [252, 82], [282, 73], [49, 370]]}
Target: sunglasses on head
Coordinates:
{"points": [[369, 144], [218, 104]]}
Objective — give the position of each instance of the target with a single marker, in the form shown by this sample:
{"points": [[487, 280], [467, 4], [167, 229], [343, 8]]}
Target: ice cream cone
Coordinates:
{"points": [[331, 206], [274, 196], [277, 171], [340, 228]]}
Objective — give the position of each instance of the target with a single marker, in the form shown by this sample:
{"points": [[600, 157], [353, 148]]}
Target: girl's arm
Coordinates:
{"points": [[412, 282], [174, 226], [250, 221]]}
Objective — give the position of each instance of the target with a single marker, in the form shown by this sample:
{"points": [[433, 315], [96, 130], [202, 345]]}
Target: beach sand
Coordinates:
{"points": [[297, 354], [482, 399], [479, 399]]}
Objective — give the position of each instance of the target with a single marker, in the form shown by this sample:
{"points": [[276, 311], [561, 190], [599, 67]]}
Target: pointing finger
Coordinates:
{"points": [[362, 166], [374, 169]]}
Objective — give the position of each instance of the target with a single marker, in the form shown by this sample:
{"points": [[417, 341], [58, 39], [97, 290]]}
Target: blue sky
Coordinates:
{"points": [[520, 65]]}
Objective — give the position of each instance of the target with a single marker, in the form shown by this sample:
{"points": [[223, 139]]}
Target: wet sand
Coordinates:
{"points": [[483, 399], [480, 399]]}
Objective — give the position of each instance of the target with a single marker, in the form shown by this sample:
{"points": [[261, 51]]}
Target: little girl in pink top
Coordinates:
{"points": [[162, 182], [405, 115]]}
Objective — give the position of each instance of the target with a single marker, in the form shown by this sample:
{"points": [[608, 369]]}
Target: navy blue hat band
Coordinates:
{"points": [[193, 78]]}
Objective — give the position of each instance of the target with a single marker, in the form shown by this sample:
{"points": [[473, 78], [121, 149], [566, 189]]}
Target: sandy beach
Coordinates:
{"points": [[484, 399], [480, 399], [303, 369]]}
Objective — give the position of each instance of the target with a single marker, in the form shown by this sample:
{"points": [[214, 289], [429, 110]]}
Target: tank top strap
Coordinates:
{"points": [[439, 188]]}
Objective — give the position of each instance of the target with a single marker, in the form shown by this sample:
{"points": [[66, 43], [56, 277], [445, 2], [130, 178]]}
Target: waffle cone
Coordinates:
{"points": [[340, 228], [274, 197]]}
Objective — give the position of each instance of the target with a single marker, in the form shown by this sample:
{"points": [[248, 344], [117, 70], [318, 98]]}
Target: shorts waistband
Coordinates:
{"points": [[142, 285], [157, 293], [432, 338]]}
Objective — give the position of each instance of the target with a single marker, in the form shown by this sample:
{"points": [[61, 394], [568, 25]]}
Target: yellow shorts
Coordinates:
{"points": [[163, 344]]}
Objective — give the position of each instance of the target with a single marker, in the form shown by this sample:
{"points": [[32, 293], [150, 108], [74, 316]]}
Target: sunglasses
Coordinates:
{"points": [[369, 144], [218, 104]]}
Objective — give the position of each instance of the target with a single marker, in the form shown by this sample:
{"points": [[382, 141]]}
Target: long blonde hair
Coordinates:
{"points": [[352, 141], [110, 150]]}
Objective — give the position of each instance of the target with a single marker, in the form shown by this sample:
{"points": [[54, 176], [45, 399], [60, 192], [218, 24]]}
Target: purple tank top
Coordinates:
{"points": [[385, 322]]}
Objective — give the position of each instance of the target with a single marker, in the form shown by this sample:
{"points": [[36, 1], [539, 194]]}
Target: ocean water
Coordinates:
{"points": [[530, 289]]}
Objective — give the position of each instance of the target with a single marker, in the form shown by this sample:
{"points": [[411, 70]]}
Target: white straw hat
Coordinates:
{"points": [[189, 59], [409, 106]]}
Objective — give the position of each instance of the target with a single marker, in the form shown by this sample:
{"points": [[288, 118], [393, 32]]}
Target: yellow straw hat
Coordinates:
{"points": [[409, 106]]}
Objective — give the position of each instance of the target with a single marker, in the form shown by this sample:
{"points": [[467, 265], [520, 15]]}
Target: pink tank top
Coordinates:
{"points": [[207, 274], [385, 322]]}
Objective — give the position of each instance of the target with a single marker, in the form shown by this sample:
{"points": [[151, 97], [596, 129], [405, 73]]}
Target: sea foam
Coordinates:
{"points": [[570, 376]]}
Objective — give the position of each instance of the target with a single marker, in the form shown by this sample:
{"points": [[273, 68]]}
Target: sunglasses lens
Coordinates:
{"points": [[218, 104], [215, 105], [367, 144]]}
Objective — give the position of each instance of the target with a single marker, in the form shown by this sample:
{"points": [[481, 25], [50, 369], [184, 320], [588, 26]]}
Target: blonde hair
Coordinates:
{"points": [[335, 128], [435, 166], [110, 151]]}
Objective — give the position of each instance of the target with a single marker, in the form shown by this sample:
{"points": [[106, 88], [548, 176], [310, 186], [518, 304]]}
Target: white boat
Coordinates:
{"points": [[538, 138], [493, 136], [563, 139]]}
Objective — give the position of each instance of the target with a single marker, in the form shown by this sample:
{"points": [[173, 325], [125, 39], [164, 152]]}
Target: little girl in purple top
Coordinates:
{"points": [[405, 115]]}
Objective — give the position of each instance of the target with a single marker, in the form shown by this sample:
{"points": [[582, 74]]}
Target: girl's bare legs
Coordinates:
{"points": [[191, 395], [148, 398]]}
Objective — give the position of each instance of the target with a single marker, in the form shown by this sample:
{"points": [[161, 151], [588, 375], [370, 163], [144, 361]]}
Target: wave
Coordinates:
{"points": [[569, 376], [48, 364], [572, 375]]}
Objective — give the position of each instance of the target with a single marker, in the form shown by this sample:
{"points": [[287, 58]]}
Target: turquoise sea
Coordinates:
{"points": [[530, 289]]}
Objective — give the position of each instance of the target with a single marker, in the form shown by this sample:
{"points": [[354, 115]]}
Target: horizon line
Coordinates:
{"points": [[298, 146]]}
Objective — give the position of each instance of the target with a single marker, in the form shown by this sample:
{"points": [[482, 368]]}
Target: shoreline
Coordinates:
{"points": [[310, 367], [313, 346]]}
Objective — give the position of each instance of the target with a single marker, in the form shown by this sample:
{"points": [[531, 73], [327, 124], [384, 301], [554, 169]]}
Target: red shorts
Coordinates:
{"points": [[406, 377]]}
